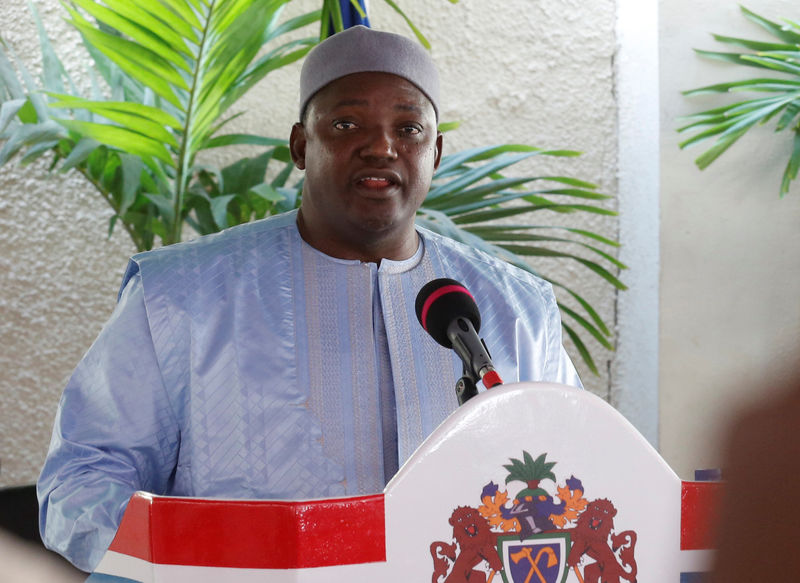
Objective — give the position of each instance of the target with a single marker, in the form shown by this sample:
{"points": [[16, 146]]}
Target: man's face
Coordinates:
{"points": [[369, 146]]}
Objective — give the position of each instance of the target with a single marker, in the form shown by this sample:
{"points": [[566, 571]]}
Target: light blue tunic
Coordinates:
{"points": [[247, 364]]}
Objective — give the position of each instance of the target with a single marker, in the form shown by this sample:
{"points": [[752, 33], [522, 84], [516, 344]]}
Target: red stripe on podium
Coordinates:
{"points": [[699, 507], [253, 534]]}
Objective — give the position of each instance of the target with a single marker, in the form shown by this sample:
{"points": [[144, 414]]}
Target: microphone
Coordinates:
{"points": [[448, 312]]}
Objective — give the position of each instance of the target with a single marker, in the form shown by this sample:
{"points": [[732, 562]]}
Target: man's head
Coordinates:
{"points": [[363, 50], [368, 141]]}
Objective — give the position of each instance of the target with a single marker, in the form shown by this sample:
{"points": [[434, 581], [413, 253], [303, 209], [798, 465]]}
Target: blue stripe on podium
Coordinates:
{"points": [[103, 578]]}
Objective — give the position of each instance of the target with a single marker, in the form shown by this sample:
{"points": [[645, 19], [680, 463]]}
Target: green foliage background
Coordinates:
{"points": [[165, 77]]}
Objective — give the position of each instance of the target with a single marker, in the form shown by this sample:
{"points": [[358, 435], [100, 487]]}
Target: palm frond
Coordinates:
{"points": [[174, 68], [166, 74], [727, 124], [470, 194]]}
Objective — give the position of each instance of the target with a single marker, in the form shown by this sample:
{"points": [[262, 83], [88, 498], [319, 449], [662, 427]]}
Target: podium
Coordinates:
{"points": [[525, 483]]}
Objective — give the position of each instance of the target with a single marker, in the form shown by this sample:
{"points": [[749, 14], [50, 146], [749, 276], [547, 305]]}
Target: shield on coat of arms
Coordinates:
{"points": [[540, 558]]}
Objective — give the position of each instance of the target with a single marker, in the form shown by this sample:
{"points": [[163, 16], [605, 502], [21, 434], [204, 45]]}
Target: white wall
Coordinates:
{"points": [[635, 368], [538, 73], [730, 248]]}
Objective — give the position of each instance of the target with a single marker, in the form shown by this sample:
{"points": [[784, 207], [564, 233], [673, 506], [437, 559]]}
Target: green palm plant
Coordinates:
{"points": [[728, 123], [468, 201], [172, 70]]}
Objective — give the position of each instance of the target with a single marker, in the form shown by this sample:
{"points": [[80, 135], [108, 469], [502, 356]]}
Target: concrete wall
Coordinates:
{"points": [[730, 248], [537, 73]]}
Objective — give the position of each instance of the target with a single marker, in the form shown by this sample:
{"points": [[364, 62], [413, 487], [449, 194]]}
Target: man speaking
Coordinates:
{"points": [[282, 358]]}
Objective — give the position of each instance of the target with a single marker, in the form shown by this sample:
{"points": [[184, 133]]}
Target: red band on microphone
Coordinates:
{"points": [[436, 295]]}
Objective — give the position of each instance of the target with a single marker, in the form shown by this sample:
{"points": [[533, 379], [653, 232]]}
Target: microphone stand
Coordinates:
{"points": [[466, 387], [475, 358]]}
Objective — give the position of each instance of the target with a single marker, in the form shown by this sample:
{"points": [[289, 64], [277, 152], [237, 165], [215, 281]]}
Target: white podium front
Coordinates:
{"points": [[527, 482]]}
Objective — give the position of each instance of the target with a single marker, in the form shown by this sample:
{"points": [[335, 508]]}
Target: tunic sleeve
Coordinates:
{"points": [[560, 367], [115, 433], [540, 350]]}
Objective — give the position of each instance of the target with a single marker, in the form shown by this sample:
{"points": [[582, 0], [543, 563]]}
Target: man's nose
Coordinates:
{"points": [[380, 144]]}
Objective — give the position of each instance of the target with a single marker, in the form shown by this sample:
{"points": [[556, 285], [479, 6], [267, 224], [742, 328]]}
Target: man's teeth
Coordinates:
{"points": [[375, 180]]}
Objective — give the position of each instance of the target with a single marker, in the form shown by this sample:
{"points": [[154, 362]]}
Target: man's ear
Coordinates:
{"points": [[438, 158], [297, 145]]}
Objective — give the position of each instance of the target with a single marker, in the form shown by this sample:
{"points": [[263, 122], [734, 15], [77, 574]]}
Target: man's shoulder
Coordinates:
{"points": [[230, 245], [227, 240], [467, 259]]}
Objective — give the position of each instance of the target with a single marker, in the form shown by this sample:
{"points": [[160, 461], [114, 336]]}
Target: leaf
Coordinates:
{"points": [[772, 63], [105, 108], [142, 26], [31, 135], [773, 28], [581, 347], [27, 88], [760, 84], [185, 20], [596, 319], [478, 154], [136, 60], [718, 149], [132, 168], [53, 71], [8, 76], [133, 117], [753, 45], [546, 252], [497, 232], [735, 58], [473, 175], [333, 9], [278, 58], [9, 110], [290, 25], [586, 325], [420, 37], [121, 138], [37, 150], [449, 126], [79, 153], [243, 140], [792, 166], [242, 175], [219, 209], [166, 209], [267, 192], [729, 123]]}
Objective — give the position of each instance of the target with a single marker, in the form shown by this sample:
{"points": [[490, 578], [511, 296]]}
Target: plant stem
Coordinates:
{"points": [[184, 154], [137, 241]]}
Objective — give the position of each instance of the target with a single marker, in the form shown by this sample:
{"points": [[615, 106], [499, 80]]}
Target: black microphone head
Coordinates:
{"points": [[441, 301]]}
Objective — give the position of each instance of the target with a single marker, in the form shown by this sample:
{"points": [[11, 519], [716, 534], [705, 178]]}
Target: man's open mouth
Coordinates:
{"points": [[375, 182]]}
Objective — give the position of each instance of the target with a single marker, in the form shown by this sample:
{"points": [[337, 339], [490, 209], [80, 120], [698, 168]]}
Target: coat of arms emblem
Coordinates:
{"points": [[547, 532]]}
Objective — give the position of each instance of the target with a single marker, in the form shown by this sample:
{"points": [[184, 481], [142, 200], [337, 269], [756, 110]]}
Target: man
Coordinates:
{"points": [[282, 359]]}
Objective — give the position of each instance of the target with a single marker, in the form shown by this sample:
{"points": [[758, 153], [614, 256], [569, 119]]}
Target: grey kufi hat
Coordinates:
{"points": [[363, 50]]}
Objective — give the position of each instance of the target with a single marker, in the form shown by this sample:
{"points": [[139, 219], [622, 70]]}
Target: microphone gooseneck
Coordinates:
{"points": [[448, 312]]}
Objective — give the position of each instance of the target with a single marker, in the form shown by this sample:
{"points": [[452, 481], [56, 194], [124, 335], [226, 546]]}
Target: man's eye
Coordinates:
{"points": [[344, 125], [410, 130]]}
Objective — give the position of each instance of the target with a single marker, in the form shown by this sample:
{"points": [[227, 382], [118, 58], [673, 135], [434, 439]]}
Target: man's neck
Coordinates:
{"points": [[365, 250]]}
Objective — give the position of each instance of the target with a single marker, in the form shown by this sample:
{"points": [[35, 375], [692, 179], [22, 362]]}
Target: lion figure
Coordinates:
{"points": [[593, 536], [474, 542]]}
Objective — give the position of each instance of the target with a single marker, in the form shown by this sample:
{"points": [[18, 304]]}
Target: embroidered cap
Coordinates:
{"points": [[363, 50]]}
